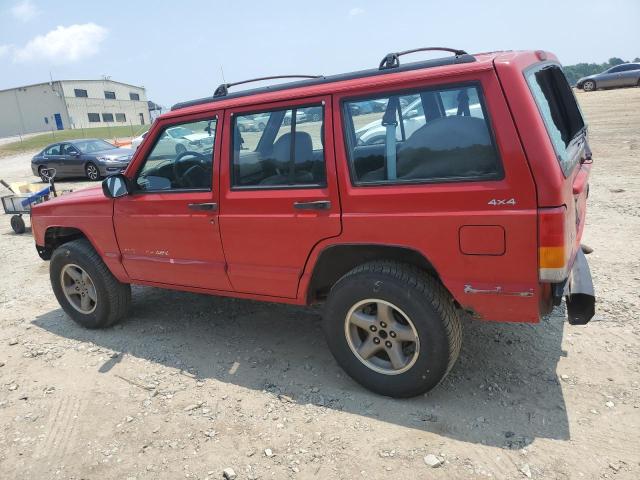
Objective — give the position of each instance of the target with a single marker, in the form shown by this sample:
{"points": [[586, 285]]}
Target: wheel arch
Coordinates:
{"points": [[334, 261], [56, 236]]}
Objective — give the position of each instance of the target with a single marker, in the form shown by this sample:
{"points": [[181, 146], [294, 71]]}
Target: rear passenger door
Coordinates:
{"points": [[279, 193], [53, 158]]}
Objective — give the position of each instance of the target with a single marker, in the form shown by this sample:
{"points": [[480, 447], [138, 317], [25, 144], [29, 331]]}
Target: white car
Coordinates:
{"points": [[374, 133], [177, 140], [135, 143]]}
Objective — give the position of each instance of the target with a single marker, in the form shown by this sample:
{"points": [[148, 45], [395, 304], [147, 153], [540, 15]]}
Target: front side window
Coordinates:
{"points": [[434, 135], [279, 148], [93, 117], [53, 150], [68, 149], [181, 159], [560, 112]]}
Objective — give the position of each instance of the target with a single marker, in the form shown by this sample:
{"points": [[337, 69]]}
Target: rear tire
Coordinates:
{"points": [[85, 288], [422, 324], [589, 86], [92, 172]]}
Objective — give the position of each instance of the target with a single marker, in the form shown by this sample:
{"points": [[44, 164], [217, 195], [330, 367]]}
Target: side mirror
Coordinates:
{"points": [[116, 186]]}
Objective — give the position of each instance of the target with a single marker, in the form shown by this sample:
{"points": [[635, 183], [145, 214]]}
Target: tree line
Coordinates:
{"points": [[579, 70]]}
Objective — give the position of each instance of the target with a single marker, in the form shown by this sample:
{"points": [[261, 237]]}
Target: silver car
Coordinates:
{"points": [[89, 157], [623, 75]]}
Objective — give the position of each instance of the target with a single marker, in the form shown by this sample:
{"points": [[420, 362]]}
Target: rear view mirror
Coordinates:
{"points": [[115, 186]]}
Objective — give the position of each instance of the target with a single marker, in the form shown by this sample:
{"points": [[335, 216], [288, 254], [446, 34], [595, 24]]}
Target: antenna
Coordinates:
{"points": [[222, 72]]}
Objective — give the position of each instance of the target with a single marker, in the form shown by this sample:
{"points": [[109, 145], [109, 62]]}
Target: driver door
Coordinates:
{"points": [[167, 228]]}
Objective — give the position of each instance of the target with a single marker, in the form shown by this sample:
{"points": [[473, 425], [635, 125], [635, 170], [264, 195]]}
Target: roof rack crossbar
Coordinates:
{"points": [[223, 88], [392, 60]]}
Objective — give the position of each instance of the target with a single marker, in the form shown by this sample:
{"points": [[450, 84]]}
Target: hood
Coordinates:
{"points": [[114, 153], [588, 77], [83, 194], [194, 137]]}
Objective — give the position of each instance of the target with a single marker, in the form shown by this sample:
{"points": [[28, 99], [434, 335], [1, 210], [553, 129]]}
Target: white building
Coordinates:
{"points": [[71, 104]]}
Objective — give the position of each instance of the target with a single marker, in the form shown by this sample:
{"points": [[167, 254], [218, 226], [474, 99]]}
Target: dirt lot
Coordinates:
{"points": [[190, 384]]}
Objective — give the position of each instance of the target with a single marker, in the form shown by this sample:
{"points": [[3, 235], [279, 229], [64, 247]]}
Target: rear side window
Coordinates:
{"points": [[559, 111], [279, 148], [435, 135]]}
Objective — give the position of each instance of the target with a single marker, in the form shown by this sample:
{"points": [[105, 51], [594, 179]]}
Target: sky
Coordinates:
{"points": [[179, 50]]}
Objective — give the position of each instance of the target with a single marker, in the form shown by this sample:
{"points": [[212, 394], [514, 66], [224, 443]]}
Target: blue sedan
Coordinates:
{"points": [[89, 157]]}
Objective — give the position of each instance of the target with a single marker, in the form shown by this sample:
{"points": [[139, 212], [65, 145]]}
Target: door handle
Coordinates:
{"points": [[203, 206], [317, 205]]}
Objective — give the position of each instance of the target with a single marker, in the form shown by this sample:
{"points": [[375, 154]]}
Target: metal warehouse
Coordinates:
{"points": [[71, 104]]}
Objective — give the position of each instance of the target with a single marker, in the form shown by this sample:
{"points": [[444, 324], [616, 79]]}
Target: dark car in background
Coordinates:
{"points": [[623, 75], [89, 157]]}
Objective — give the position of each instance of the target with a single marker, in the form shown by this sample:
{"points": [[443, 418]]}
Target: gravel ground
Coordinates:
{"points": [[191, 385]]}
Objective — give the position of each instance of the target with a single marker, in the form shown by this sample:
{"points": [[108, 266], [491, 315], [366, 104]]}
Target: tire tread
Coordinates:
{"points": [[426, 285], [118, 294]]}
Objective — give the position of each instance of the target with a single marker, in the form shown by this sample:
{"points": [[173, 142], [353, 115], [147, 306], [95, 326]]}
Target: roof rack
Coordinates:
{"points": [[223, 88], [392, 60], [222, 92]]}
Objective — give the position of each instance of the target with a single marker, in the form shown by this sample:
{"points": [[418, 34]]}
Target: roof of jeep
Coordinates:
{"points": [[342, 82]]}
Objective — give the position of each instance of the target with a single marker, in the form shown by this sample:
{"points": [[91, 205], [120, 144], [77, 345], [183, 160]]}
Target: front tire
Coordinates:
{"points": [[393, 328], [589, 86], [85, 288], [92, 172]]}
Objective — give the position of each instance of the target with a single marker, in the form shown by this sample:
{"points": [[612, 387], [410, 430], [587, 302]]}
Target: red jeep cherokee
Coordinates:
{"points": [[400, 197]]}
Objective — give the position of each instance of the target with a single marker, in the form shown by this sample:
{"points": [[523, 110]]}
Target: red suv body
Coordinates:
{"points": [[469, 174]]}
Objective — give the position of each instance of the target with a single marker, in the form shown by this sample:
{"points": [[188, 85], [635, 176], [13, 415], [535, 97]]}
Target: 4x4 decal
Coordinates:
{"points": [[504, 201]]}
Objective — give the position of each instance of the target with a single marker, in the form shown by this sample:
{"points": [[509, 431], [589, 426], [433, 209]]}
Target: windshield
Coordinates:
{"points": [[88, 146], [178, 132]]}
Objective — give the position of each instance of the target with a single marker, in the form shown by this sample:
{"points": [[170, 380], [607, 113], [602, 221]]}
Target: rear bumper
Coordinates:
{"points": [[579, 292]]}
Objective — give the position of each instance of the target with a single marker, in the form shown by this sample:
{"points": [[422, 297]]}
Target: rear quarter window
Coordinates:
{"points": [[559, 111], [427, 136]]}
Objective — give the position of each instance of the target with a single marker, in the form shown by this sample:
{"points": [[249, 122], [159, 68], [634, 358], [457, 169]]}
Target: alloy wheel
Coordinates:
{"points": [[78, 288], [382, 336], [92, 172]]}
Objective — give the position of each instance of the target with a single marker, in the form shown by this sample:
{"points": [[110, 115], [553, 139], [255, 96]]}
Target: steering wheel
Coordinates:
{"points": [[200, 161]]}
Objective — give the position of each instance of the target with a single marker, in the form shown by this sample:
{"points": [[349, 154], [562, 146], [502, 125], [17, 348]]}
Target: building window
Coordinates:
{"points": [[80, 93], [94, 117], [46, 120], [110, 95], [121, 117], [134, 96], [107, 117]]}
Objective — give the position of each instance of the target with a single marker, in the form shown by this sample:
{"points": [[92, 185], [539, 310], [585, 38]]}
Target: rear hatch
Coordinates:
{"points": [[561, 222]]}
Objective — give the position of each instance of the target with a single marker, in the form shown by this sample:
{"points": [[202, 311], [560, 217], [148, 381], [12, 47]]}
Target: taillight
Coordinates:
{"points": [[554, 246]]}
